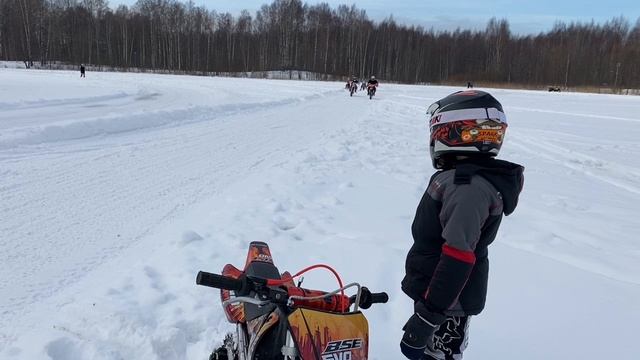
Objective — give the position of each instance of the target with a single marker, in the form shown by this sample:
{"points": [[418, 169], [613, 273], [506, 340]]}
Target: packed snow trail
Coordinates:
{"points": [[104, 229], [96, 198]]}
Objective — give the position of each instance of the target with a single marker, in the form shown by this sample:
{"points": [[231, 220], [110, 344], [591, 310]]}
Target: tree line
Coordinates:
{"points": [[289, 34]]}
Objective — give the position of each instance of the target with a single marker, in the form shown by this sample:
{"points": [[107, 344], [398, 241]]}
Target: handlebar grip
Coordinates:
{"points": [[218, 281], [367, 298], [379, 298]]}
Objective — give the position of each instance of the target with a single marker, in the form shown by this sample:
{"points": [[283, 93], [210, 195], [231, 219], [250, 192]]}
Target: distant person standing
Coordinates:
{"points": [[469, 85], [82, 70]]}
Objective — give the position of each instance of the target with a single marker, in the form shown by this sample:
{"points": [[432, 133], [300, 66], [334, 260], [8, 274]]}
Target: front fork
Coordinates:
{"points": [[289, 350], [237, 349], [240, 343]]}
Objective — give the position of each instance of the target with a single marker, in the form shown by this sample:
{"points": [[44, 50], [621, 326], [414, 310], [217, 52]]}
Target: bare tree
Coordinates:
{"points": [[289, 34]]}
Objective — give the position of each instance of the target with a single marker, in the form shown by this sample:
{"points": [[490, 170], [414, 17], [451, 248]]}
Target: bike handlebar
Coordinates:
{"points": [[241, 286], [218, 281]]}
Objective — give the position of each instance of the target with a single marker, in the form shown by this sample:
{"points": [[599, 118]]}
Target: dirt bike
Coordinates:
{"points": [[371, 91], [353, 88], [278, 320]]}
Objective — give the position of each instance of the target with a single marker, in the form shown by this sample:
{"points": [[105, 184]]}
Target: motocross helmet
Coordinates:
{"points": [[465, 123], [373, 78]]}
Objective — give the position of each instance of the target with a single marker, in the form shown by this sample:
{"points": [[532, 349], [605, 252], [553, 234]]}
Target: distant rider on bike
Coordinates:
{"points": [[372, 85], [372, 82], [352, 85], [354, 81]]}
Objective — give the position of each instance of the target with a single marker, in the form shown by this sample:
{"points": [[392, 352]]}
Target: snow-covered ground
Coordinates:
{"points": [[117, 188]]}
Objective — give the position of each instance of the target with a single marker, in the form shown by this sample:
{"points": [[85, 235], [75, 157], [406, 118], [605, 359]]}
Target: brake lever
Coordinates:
{"points": [[264, 292]]}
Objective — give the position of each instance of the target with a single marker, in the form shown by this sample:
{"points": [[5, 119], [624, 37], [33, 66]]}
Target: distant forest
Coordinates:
{"points": [[289, 34]]}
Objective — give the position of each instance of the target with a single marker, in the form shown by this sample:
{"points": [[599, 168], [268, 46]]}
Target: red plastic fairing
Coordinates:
{"points": [[234, 313], [331, 303], [287, 279]]}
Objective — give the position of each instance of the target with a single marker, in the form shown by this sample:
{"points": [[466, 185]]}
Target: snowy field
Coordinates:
{"points": [[117, 188]]}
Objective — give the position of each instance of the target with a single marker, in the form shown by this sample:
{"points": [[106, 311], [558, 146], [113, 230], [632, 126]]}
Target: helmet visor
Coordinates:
{"points": [[482, 133]]}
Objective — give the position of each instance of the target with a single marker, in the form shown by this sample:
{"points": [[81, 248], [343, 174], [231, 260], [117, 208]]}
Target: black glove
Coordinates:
{"points": [[418, 331]]}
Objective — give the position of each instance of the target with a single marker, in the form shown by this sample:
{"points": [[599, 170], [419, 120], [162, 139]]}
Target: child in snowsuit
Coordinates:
{"points": [[458, 217]]}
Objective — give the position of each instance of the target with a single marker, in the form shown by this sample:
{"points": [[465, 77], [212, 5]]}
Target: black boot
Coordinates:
{"points": [[219, 354]]}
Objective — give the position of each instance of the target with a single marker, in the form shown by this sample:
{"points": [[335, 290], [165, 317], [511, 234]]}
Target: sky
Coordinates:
{"points": [[525, 16]]}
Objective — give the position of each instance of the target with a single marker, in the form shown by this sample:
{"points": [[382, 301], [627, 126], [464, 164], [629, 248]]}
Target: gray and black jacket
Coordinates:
{"points": [[456, 220]]}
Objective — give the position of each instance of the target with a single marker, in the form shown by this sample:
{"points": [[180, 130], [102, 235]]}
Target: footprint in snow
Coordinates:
{"points": [[189, 237], [283, 223], [154, 277], [346, 185], [330, 201], [275, 206], [63, 348], [170, 344]]}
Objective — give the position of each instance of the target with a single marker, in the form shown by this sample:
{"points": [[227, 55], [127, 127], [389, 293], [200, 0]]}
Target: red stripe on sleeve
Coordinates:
{"points": [[464, 256]]}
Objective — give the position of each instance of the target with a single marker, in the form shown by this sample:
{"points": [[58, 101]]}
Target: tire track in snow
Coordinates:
{"points": [[86, 128], [621, 177], [592, 116], [37, 104]]}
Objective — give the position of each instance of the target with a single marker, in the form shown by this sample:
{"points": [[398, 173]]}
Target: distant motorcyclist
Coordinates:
{"points": [[352, 80], [353, 85], [372, 86]]}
